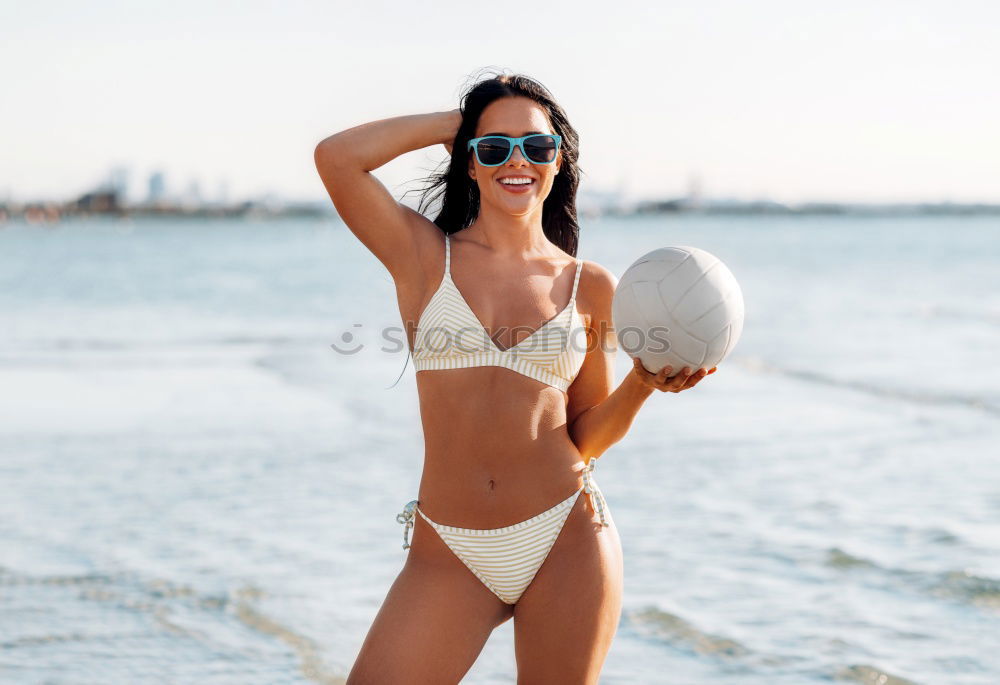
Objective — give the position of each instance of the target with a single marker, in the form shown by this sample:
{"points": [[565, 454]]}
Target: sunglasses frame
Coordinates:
{"points": [[515, 142]]}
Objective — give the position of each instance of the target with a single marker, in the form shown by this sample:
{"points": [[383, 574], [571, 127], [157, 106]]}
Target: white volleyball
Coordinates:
{"points": [[679, 306]]}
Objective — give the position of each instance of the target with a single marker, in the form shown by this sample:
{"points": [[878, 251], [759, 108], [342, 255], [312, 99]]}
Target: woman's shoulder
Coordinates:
{"points": [[597, 279], [595, 292]]}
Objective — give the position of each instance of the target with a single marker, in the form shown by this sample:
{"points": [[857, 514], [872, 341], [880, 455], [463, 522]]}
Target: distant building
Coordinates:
{"points": [[99, 201], [157, 187], [695, 196], [117, 183], [193, 194], [222, 196]]}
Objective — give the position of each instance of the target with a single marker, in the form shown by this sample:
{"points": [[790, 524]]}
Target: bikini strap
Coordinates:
{"points": [[447, 254], [576, 280], [591, 488]]}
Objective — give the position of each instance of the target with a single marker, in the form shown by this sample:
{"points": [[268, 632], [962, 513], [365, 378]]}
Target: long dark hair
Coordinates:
{"points": [[459, 194]]}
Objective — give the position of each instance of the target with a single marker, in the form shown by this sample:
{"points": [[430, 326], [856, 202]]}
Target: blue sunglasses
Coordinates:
{"points": [[537, 148]]}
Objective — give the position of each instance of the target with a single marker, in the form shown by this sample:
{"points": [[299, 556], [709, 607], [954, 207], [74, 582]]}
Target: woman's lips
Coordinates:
{"points": [[517, 188]]}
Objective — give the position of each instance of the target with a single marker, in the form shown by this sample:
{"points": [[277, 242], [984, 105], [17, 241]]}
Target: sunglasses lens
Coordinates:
{"points": [[540, 149], [492, 151]]}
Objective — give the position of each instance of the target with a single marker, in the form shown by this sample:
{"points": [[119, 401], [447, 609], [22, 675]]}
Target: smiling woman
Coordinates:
{"points": [[456, 188], [514, 416]]}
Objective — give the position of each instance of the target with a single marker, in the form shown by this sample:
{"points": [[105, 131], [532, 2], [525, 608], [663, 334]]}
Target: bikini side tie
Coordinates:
{"points": [[590, 487], [406, 517]]}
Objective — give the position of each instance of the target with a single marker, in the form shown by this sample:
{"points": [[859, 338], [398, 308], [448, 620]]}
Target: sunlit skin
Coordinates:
{"points": [[499, 447]]}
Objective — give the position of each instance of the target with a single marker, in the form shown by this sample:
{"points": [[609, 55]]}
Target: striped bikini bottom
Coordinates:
{"points": [[507, 559]]}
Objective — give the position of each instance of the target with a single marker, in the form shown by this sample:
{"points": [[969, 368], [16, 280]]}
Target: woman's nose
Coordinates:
{"points": [[516, 155]]}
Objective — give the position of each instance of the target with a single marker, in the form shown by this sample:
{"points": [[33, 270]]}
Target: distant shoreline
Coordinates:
{"points": [[107, 204], [812, 208]]}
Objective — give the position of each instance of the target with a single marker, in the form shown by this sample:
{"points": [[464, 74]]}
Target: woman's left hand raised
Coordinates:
{"points": [[685, 379]]}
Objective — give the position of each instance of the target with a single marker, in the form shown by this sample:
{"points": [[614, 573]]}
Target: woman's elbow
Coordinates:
{"points": [[327, 152]]}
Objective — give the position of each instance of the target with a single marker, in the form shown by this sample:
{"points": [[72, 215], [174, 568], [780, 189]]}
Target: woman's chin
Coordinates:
{"points": [[519, 206], [518, 199]]}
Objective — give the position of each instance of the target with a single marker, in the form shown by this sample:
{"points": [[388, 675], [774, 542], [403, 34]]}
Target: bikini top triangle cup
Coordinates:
{"points": [[450, 336]]}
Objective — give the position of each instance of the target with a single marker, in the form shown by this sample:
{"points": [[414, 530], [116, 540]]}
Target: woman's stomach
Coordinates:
{"points": [[496, 447]]}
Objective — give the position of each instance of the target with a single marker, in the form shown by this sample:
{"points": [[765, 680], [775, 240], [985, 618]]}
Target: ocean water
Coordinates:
{"points": [[196, 488]]}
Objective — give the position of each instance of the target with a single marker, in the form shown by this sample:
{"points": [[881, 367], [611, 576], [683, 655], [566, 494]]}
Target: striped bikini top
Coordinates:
{"points": [[450, 336]]}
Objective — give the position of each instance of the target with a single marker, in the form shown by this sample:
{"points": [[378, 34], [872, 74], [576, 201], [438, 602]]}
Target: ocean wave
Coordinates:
{"points": [[940, 311], [656, 623], [167, 603], [952, 584], [938, 397], [870, 675], [114, 344]]}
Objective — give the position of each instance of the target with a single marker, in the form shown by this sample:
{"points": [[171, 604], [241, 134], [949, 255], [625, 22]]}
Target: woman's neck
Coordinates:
{"points": [[510, 235]]}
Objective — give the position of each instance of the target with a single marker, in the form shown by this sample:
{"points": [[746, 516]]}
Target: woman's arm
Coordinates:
{"points": [[391, 230], [598, 418]]}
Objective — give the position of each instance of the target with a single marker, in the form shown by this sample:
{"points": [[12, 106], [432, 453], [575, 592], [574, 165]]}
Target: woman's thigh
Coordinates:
{"points": [[434, 621], [565, 621]]}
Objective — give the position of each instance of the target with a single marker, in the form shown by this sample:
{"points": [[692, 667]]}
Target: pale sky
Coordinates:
{"points": [[861, 101]]}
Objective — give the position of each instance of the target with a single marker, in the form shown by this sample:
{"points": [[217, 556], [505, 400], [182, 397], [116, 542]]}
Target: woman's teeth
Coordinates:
{"points": [[516, 181]]}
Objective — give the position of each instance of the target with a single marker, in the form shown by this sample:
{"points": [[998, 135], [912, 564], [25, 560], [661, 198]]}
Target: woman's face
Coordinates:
{"points": [[514, 117]]}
